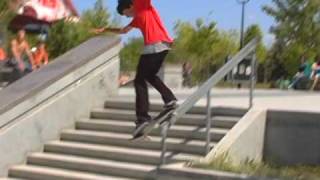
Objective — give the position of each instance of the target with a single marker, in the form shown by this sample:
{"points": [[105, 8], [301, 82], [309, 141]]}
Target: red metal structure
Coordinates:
{"points": [[38, 15]]}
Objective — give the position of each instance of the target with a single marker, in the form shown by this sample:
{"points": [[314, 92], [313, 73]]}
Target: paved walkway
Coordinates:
{"points": [[270, 99]]}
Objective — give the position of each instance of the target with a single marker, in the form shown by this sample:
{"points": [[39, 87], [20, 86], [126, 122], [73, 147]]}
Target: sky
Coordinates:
{"points": [[226, 13]]}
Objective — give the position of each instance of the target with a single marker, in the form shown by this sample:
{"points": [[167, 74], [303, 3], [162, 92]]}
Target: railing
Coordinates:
{"points": [[248, 50]]}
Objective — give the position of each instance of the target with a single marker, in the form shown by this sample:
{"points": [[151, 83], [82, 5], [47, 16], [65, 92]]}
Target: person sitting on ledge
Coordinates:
{"points": [[22, 58], [40, 56], [315, 73]]}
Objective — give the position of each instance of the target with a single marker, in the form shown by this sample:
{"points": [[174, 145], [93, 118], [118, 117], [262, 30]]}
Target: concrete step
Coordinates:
{"points": [[48, 173], [130, 105], [176, 131], [118, 139], [116, 153], [189, 119], [116, 103], [94, 166]]}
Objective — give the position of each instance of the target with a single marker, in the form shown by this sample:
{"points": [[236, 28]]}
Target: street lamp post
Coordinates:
{"points": [[243, 3]]}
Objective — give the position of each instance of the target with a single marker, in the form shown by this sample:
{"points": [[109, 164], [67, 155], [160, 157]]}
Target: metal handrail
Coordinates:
{"points": [[205, 88]]}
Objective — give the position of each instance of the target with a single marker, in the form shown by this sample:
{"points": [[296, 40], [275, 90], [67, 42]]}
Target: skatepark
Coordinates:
{"points": [[81, 90], [71, 120]]}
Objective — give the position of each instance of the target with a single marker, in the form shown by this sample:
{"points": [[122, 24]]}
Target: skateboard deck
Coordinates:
{"points": [[161, 118]]}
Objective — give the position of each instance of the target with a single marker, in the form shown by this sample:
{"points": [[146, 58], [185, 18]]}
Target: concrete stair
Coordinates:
{"points": [[49, 173], [99, 146]]}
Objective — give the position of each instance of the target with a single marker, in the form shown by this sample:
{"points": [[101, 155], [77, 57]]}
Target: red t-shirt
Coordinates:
{"points": [[3, 55], [147, 19]]}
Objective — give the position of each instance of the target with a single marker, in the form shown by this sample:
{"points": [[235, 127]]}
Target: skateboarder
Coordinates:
{"points": [[157, 43]]}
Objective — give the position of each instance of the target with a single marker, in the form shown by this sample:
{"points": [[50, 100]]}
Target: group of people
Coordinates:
{"points": [[307, 72], [21, 57]]}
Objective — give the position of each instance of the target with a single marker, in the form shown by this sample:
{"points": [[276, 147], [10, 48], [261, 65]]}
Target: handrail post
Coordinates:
{"points": [[206, 88], [208, 132], [164, 133], [252, 79]]}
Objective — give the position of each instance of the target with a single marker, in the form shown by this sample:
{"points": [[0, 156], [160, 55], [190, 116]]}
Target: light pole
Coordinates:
{"points": [[243, 3]]}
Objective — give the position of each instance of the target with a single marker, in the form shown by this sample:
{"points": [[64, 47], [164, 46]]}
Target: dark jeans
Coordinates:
{"points": [[147, 70]]}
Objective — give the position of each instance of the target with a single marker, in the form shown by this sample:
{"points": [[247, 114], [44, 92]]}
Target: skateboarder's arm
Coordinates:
{"points": [[114, 30]]}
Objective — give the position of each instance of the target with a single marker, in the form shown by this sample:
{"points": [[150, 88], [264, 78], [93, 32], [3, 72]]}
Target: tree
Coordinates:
{"points": [[96, 17], [4, 7], [254, 31], [296, 31], [130, 54], [204, 46], [65, 35], [6, 14]]}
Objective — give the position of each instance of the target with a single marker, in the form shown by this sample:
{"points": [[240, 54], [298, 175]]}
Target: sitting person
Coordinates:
{"points": [[283, 83], [40, 56], [300, 80], [3, 55], [306, 65], [315, 73], [22, 56], [187, 74], [3, 58]]}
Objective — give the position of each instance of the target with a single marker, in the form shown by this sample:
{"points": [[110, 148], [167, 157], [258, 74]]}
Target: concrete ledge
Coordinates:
{"points": [[178, 172], [38, 107], [245, 140], [292, 138], [38, 81]]}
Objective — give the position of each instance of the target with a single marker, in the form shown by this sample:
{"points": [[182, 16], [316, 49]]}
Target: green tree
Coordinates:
{"points": [[96, 17], [65, 35], [296, 32], [6, 14], [130, 54], [204, 46], [4, 9], [254, 31]]}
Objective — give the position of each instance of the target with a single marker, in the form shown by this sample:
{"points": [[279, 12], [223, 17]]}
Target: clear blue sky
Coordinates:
{"points": [[227, 13]]}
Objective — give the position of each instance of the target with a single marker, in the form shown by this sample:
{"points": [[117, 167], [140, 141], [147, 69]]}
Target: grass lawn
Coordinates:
{"points": [[264, 170], [257, 86]]}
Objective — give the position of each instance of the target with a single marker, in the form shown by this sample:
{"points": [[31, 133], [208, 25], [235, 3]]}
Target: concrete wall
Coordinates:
{"points": [[292, 138], [245, 140], [47, 101], [277, 137]]}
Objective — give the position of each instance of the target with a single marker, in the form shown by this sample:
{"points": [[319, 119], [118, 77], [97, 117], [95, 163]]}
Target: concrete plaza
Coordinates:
{"points": [[263, 98]]}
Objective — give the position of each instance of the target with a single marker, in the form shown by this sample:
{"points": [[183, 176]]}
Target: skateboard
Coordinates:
{"points": [[160, 119]]}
